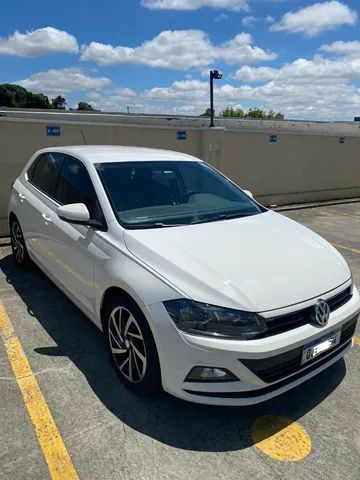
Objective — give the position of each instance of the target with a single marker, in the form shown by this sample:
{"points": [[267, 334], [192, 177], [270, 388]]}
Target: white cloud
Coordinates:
{"points": [[38, 42], [316, 18], [220, 18], [235, 5], [345, 48], [179, 50], [319, 88], [249, 21], [63, 81], [299, 100], [170, 49], [318, 70], [239, 51], [256, 75]]}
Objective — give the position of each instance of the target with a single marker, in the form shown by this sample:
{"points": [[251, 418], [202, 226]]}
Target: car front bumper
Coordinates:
{"points": [[180, 352]]}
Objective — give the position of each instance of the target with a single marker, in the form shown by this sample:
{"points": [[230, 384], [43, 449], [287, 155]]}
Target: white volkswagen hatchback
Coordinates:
{"points": [[199, 289]]}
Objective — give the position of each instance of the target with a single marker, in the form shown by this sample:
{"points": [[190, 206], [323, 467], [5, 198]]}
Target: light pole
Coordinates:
{"points": [[214, 74]]}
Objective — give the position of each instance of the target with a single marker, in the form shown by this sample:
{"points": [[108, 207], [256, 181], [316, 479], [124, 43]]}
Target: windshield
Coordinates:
{"points": [[164, 194]]}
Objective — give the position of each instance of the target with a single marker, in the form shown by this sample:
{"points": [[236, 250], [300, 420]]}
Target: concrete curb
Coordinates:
{"points": [[302, 206], [5, 242]]}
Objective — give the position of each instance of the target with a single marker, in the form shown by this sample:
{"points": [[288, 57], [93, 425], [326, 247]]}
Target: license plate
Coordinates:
{"points": [[319, 346]]}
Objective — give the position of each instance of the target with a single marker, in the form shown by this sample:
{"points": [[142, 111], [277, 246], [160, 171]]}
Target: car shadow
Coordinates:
{"points": [[164, 418]]}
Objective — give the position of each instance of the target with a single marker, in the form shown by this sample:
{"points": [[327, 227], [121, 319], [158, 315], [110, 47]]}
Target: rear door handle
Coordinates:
{"points": [[46, 217], [22, 196]]}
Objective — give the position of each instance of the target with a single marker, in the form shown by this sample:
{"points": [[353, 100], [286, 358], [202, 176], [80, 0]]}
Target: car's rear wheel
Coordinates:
{"points": [[18, 245], [131, 346]]}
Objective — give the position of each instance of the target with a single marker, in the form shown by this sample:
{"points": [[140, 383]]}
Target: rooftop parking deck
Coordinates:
{"points": [[109, 433]]}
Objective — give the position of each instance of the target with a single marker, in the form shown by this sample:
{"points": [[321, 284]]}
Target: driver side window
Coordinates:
{"points": [[75, 186]]}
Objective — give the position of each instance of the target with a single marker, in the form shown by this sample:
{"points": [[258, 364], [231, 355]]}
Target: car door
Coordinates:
{"points": [[73, 247], [37, 202]]}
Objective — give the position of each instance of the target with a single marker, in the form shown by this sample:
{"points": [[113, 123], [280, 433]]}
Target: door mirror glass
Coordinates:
{"points": [[250, 194], [74, 213]]}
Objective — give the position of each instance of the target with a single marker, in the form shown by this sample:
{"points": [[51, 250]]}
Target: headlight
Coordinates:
{"points": [[203, 319]]}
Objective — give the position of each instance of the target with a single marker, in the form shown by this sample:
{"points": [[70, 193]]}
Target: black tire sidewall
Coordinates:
{"points": [[151, 383], [26, 259]]}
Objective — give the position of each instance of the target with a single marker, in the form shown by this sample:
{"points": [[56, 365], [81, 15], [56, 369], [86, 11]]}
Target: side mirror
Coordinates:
{"points": [[250, 194], [74, 213]]}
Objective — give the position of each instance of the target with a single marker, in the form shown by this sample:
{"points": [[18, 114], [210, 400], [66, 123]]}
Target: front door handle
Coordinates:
{"points": [[22, 196], [46, 217]]}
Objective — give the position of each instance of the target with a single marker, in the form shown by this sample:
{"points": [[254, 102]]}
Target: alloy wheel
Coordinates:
{"points": [[17, 241], [127, 344]]}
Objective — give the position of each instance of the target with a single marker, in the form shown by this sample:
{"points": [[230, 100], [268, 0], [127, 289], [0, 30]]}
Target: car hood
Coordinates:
{"points": [[257, 263]]}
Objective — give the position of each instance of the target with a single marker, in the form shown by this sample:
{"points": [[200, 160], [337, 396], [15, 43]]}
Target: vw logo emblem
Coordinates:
{"points": [[322, 312]]}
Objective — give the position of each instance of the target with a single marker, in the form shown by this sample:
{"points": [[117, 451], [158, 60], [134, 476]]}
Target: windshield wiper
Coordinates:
{"points": [[223, 216], [143, 226]]}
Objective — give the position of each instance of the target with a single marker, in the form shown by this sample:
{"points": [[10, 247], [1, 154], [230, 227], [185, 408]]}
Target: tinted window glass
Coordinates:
{"points": [[75, 186], [30, 172], [46, 171], [145, 194]]}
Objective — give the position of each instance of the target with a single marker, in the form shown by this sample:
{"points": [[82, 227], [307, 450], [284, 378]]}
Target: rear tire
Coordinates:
{"points": [[18, 245], [131, 346]]}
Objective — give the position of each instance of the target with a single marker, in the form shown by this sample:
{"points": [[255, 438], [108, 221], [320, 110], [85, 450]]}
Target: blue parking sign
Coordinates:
{"points": [[181, 135], [53, 131]]}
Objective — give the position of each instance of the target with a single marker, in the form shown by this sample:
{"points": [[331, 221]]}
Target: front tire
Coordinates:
{"points": [[18, 245], [131, 346]]}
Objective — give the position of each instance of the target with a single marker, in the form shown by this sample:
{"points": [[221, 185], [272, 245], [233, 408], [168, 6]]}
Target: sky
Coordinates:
{"points": [[297, 57]]}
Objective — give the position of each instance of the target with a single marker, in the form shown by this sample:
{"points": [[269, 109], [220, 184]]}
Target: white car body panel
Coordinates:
{"points": [[250, 263], [264, 263]]}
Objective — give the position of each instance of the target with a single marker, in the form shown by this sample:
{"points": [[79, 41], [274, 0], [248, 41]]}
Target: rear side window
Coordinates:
{"points": [[44, 172], [30, 172], [75, 186]]}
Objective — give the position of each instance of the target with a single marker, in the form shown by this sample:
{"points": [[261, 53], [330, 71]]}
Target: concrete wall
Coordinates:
{"points": [[297, 168], [305, 164]]}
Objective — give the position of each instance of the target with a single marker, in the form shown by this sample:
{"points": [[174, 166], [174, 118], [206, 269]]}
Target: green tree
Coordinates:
{"points": [[233, 112], [252, 113], [85, 106], [207, 113], [256, 113], [37, 100], [274, 116], [59, 103], [16, 96], [13, 95]]}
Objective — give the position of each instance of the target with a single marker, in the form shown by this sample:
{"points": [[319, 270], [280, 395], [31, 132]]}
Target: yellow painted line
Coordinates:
{"points": [[353, 250], [51, 443], [281, 438], [357, 341]]}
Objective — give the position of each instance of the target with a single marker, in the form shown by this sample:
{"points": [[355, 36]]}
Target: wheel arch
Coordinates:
{"points": [[111, 292], [12, 217]]}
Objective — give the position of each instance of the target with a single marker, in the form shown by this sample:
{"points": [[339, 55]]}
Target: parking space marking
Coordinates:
{"points": [[352, 250], [357, 341], [281, 438], [51, 443]]}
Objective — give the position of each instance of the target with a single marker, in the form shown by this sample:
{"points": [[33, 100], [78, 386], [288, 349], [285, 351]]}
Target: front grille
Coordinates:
{"points": [[284, 323], [275, 368]]}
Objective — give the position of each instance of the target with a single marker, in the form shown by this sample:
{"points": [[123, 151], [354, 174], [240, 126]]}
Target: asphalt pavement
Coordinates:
{"points": [[311, 432]]}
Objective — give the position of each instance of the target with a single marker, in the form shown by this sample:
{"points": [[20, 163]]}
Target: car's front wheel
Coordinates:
{"points": [[131, 346], [18, 246]]}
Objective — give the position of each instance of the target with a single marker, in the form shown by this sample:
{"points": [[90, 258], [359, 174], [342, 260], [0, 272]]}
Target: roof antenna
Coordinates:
{"points": [[83, 136]]}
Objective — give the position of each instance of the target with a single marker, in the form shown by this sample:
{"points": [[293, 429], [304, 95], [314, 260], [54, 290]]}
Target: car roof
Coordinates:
{"points": [[111, 153]]}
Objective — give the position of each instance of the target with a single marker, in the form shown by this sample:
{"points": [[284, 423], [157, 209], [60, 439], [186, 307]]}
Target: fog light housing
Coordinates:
{"points": [[210, 374]]}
